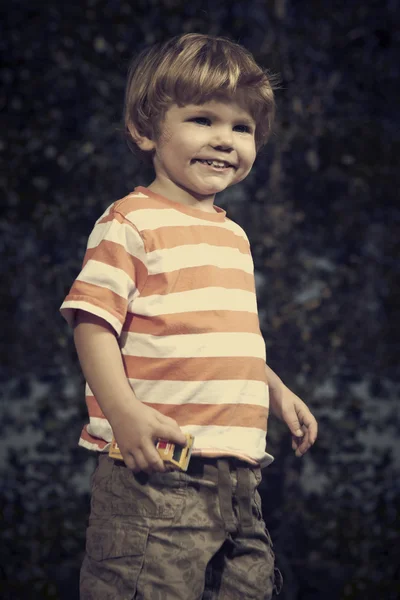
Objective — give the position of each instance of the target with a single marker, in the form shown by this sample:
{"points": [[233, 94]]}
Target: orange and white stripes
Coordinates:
{"points": [[177, 285]]}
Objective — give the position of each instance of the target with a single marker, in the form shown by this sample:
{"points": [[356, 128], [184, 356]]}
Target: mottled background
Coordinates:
{"points": [[321, 213]]}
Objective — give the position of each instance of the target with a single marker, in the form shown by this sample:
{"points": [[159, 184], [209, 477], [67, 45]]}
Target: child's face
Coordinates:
{"points": [[193, 136]]}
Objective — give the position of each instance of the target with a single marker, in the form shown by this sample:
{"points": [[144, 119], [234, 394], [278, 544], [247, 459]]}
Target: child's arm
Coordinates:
{"points": [[288, 407], [135, 426]]}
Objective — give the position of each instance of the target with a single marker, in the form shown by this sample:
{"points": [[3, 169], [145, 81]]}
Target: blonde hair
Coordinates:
{"points": [[192, 69]]}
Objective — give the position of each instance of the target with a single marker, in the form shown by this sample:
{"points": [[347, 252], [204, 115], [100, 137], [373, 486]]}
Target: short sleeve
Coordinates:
{"points": [[113, 272]]}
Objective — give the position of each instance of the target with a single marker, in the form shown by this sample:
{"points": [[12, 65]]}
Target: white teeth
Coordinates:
{"points": [[213, 163]]}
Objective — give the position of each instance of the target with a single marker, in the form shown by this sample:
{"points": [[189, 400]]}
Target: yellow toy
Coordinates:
{"points": [[172, 454]]}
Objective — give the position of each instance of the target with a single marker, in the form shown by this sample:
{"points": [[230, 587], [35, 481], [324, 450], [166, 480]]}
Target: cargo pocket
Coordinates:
{"points": [[277, 579], [113, 561], [156, 496]]}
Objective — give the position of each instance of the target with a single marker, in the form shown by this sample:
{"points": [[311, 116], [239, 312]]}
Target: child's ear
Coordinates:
{"points": [[144, 143]]}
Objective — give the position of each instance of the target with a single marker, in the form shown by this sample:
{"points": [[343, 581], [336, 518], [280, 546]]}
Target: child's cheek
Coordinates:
{"points": [[166, 136]]}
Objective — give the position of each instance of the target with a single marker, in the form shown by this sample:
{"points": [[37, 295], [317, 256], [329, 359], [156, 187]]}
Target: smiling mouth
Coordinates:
{"points": [[218, 164]]}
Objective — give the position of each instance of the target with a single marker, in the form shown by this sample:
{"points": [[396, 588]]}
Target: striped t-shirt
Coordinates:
{"points": [[177, 285]]}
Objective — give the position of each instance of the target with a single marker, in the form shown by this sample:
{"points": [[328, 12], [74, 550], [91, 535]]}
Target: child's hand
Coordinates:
{"points": [[137, 429], [288, 407], [298, 418]]}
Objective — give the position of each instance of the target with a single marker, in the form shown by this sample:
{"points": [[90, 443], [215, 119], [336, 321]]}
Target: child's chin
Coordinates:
{"points": [[212, 189]]}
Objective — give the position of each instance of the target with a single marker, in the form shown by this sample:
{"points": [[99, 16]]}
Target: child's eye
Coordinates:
{"points": [[243, 128], [201, 120]]}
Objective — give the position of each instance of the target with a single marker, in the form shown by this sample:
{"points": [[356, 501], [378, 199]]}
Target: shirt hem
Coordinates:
{"points": [[206, 453]]}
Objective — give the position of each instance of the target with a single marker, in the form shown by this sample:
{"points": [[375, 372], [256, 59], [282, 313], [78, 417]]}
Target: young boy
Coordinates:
{"points": [[166, 328]]}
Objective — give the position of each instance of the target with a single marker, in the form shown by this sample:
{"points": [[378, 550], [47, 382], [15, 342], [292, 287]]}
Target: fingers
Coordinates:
{"points": [[305, 437], [137, 433], [304, 443], [154, 463], [169, 429], [137, 436], [147, 460], [131, 463], [310, 422]]}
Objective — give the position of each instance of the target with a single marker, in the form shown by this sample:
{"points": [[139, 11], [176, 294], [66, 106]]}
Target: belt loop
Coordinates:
{"points": [[243, 492], [225, 495]]}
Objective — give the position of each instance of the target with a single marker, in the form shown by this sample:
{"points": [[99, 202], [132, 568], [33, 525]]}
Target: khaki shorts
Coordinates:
{"points": [[178, 536]]}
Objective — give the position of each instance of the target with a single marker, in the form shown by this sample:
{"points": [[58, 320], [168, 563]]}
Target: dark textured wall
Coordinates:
{"points": [[321, 211]]}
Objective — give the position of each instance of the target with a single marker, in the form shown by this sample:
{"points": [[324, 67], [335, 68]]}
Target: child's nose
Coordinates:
{"points": [[223, 138]]}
